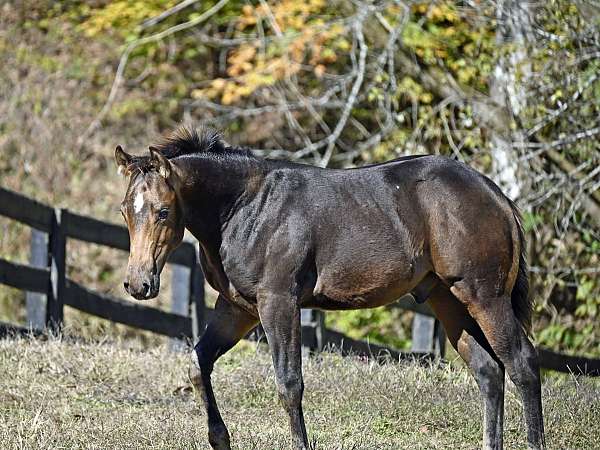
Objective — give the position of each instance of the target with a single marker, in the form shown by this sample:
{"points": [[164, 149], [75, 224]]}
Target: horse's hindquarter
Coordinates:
{"points": [[472, 230]]}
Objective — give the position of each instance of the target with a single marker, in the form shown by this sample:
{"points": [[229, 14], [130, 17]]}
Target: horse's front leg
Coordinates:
{"points": [[280, 319], [227, 326]]}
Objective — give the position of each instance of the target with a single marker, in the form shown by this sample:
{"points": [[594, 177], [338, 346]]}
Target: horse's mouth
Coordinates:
{"points": [[143, 297]]}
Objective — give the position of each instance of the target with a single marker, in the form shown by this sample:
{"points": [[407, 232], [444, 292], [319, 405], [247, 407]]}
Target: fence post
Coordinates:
{"points": [[423, 331], [197, 303], [315, 320], [55, 296], [180, 298], [36, 302]]}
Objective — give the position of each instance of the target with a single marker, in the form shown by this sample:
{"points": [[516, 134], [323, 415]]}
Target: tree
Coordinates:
{"points": [[510, 88]]}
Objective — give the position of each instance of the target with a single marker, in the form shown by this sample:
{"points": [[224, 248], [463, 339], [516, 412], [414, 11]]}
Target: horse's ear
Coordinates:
{"points": [[161, 163], [123, 160]]}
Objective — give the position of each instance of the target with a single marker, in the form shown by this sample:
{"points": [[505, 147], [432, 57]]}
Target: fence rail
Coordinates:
{"points": [[24, 277], [49, 290]]}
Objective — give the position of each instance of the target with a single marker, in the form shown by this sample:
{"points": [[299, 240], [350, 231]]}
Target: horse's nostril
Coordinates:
{"points": [[126, 286], [146, 288]]}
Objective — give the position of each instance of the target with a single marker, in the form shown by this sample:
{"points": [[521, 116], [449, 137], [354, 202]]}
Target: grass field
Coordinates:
{"points": [[66, 394]]}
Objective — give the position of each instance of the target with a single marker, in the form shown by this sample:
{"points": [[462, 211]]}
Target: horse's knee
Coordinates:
{"points": [[490, 377], [200, 366]]}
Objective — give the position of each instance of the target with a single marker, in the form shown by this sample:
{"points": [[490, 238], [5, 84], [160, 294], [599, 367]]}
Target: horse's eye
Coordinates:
{"points": [[163, 214]]}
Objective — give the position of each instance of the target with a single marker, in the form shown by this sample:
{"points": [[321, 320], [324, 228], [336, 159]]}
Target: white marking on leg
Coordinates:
{"points": [[138, 203]]}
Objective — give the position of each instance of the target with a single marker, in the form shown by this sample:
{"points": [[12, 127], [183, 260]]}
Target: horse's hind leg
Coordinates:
{"points": [[509, 342], [227, 326], [467, 338]]}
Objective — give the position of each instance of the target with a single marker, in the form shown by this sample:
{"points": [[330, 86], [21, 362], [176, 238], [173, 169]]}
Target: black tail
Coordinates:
{"points": [[520, 300]]}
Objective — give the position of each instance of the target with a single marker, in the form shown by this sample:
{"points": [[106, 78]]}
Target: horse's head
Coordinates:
{"points": [[154, 216]]}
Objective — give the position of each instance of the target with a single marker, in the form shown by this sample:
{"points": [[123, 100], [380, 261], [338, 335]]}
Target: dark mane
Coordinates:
{"points": [[189, 141]]}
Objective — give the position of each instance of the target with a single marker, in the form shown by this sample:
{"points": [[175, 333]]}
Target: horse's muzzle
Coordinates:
{"points": [[142, 288]]}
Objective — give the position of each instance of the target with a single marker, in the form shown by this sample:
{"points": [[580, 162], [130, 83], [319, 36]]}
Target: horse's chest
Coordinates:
{"points": [[228, 289]]}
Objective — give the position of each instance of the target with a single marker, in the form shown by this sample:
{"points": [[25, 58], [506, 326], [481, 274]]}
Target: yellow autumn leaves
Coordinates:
{"points": [[295, 39]]}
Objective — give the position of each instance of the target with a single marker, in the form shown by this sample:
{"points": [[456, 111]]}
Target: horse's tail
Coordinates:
{"points": [[520, 300]]}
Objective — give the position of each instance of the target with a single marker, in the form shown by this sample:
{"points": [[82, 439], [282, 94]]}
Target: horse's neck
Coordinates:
{"points": [[211, 193], [213, 188]]}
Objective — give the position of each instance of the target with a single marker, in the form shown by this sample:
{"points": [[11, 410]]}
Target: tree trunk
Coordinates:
{"points": [[514, 26]]}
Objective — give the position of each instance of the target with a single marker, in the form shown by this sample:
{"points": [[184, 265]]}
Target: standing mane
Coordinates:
{"points": [[189, 141]]}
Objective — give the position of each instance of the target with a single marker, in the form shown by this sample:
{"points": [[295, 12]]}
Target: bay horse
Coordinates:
{"points": [[275, 237]]}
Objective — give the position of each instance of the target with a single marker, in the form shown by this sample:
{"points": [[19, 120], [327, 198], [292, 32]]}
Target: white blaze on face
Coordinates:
{"points": [[138, 203]]}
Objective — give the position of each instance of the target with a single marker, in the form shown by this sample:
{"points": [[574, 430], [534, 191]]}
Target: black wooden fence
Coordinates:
{"points": [[49, 290]]}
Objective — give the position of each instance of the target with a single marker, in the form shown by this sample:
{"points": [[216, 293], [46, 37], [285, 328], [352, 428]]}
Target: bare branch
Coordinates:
{"points": [[125, 58], [169, 12], [333, 137]]}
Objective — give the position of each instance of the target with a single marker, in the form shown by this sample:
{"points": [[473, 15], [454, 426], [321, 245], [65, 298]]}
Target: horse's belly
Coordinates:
{"points": [[364, 289], [352, 301]]}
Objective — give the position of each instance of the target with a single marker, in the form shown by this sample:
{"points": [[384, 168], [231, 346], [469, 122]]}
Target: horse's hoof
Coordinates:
{"points": [[218, 437]]}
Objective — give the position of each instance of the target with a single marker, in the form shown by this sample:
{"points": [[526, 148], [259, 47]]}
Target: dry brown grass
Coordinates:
{"points": [[61, 393]]}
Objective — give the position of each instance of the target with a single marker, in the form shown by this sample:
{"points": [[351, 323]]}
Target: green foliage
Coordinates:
{"points": [[379, 325], [440, 34], [121, 17], [565, 100]]}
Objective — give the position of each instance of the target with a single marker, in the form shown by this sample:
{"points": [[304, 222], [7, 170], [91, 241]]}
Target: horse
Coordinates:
{"points": [[276, 236]]}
